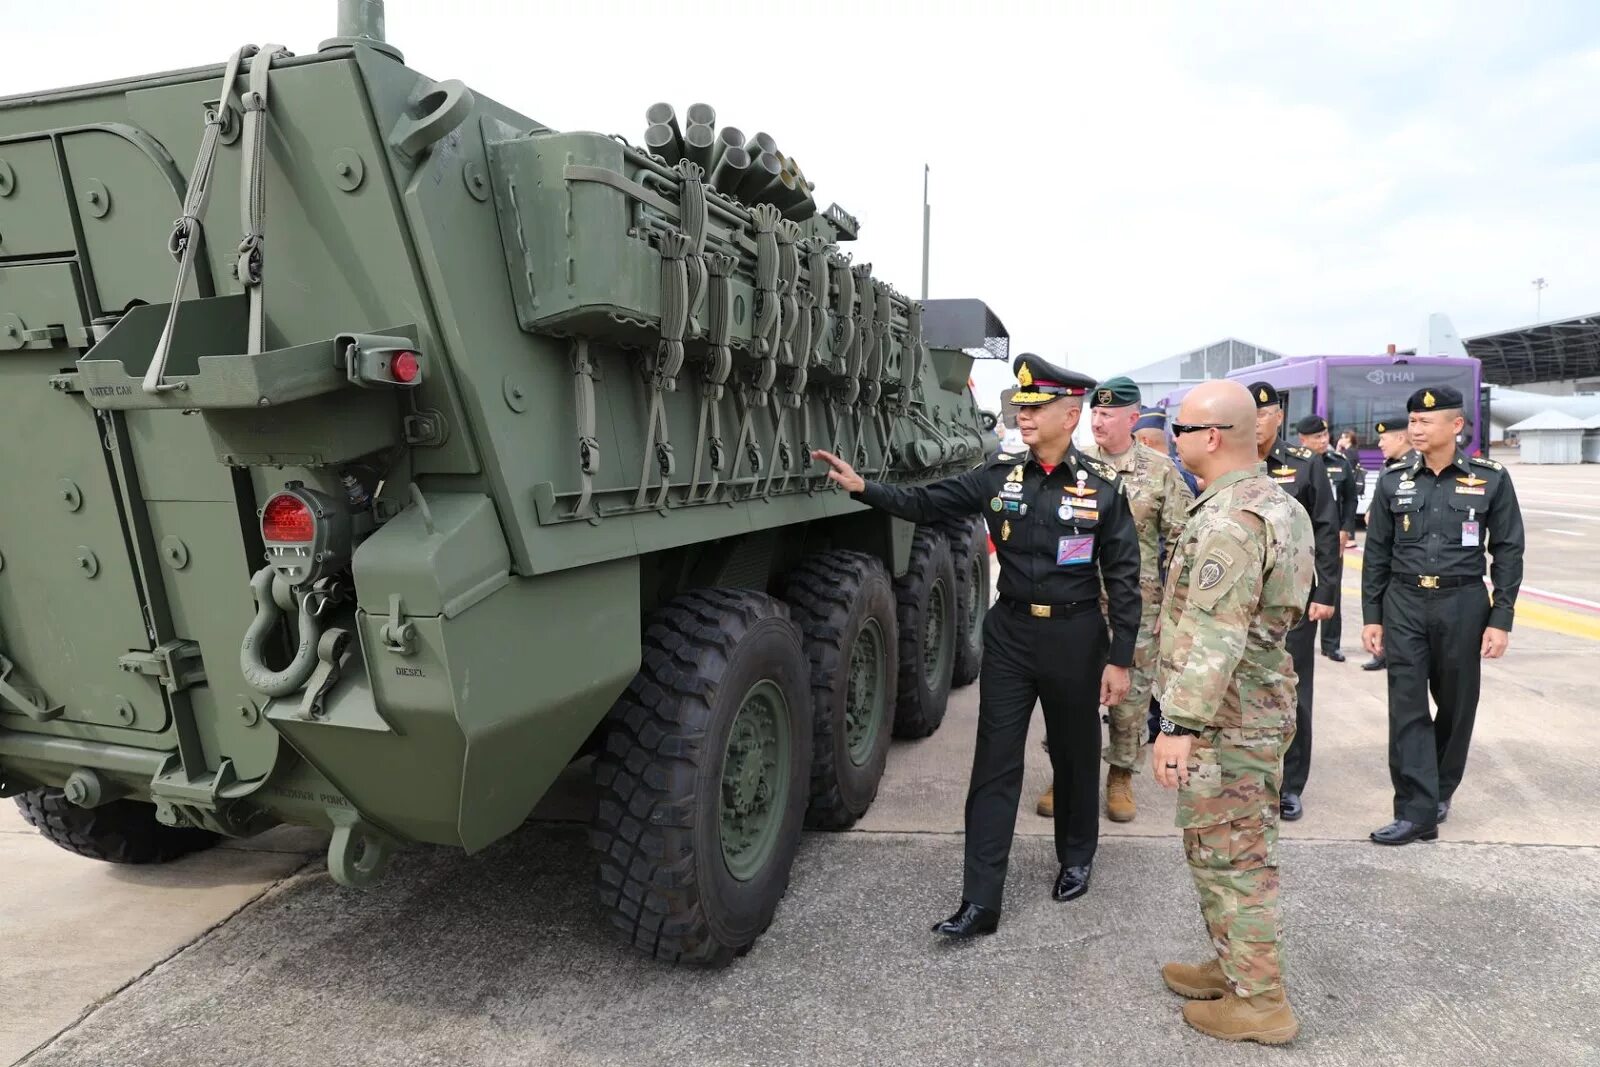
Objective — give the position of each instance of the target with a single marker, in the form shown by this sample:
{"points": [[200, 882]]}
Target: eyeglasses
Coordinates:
{"points": [[1181, 428]]}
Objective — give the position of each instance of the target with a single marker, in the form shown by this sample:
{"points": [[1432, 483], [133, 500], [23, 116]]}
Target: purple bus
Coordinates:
{"points": [[1354, 392]]}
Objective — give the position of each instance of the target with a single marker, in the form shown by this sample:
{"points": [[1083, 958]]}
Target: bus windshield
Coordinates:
{"points": [[1359, 396]]}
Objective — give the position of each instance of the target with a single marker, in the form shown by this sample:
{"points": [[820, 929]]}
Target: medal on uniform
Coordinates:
{"points": [[1080, 490], [996, 504], [1005, 530], [1406, 485], [1470, 486], [1405, 523]]}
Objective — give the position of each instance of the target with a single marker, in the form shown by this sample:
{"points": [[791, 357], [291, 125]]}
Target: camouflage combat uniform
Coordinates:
{"points": [[1239, 579], [1159, 499]]}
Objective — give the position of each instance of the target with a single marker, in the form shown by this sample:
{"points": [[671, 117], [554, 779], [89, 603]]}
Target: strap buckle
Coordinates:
{"points": [[1428, 581], [1039, 611]]}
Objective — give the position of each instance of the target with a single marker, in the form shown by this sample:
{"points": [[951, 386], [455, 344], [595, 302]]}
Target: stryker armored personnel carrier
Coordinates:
{"points": [[431, 450]]}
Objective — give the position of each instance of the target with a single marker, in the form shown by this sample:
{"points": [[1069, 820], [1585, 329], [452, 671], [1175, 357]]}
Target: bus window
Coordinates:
{"points": [[1301, 402], [1358, 396]]}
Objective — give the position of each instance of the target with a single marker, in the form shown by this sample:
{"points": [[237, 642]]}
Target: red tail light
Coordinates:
{"points": [[406, 367], [288, 518]]}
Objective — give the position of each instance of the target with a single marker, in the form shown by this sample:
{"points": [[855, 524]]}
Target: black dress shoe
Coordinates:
{"points": [[1073, 882], [1403, 832], [1334, 654], [1444, 810], [1289, 807], [1376, 663], [970, 920]]}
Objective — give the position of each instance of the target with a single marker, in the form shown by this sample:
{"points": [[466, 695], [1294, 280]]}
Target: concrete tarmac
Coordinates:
{"points": [[1478, 949]]}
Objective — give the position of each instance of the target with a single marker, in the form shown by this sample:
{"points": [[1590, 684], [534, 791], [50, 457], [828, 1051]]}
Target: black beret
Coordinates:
{"points": [[1394, 425], [1310, 424], [1039, 381], [1434, 398], [1264, 394]]}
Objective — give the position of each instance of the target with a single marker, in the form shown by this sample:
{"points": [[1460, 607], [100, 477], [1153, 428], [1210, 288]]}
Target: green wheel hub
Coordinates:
{"points": [[866, 697], [755, 780], [936, 650]]}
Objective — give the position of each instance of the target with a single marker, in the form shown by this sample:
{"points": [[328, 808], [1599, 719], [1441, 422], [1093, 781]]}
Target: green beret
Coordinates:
{"points": [[1118, 392]]}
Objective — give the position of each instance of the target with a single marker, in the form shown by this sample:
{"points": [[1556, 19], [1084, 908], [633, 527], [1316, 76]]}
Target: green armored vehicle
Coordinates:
{"points": [[432, 450]]}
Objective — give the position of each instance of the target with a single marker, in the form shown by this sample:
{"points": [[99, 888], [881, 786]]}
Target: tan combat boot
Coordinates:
{"points": [[1205, 982], [1119, 795], [1047, 802], [1265, 1017]]}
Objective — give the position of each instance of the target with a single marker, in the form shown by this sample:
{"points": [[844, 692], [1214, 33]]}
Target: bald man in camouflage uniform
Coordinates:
{"points": [[1159, 499], [1239, 579]]}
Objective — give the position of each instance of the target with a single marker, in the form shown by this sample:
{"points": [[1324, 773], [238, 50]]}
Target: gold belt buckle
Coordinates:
{"points": [[1040, 611], [1428, 581]]}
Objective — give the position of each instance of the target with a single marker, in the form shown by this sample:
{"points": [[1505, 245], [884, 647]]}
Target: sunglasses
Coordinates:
{"points": [[1181, 428]]}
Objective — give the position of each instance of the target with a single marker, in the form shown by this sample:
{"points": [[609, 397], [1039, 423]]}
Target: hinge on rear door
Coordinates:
{"points": [[175, 664]]}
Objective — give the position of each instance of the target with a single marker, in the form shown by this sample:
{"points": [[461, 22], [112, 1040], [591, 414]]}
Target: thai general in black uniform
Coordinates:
{"points": [[1313, 433], [1061, 526], [1301, 474], [1426, 609]]}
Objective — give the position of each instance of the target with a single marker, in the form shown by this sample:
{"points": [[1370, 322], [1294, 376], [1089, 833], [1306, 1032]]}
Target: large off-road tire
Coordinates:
{"points": [[845, 605], [702, 782], [927, 619], [121, 831], [969, 554]]}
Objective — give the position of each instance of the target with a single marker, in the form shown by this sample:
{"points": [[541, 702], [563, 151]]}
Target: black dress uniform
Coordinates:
{"points": [[1058, 534], [1346, 496], [1422, 580], [1302, 475]]}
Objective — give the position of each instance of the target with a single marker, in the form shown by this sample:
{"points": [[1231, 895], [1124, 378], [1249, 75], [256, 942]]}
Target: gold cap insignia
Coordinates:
{"points": [[1382, 428], [1024, 375], [1263, 395], [1428, 401], [1104, 396]]}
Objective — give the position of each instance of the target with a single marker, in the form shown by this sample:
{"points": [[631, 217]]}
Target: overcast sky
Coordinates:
{"points": [[1119, 187]]}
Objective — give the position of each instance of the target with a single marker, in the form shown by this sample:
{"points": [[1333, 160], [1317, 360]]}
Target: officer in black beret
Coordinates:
{"points": [[1395, 444], [1302, 475], [1313, 433], [1061, 528], [1425, 607]]}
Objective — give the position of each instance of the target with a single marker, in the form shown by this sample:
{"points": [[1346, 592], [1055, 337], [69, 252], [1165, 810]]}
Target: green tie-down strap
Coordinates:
{"points": [[692, 219], [816, 253], [764, 220], [788, 284], [866, 337], [664, 371], [719, 364], [844, 318]]}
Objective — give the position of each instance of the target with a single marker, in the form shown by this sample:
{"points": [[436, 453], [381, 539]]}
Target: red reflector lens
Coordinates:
{"points": [[406, 367], [287, 518]]}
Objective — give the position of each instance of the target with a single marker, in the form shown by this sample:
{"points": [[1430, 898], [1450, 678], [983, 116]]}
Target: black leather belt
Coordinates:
{"points": [[1048, 611], [1435, 581]]}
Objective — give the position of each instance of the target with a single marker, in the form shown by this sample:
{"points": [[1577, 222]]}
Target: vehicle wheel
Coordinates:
{"points": [[844, 603], [121, 831], [927, 622], [969, 554], [702, 781]]}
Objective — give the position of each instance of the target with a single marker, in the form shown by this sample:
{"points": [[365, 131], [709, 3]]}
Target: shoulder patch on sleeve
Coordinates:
{"points": [[1491, 464], [1220, 562]]}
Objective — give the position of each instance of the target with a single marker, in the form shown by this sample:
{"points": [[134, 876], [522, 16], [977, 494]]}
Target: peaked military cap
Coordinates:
{"points": [[1310, 424], [1118, 392], [1390, 425], [1434, 398], [1040, 381], [1151, 419], [1264, 394]]}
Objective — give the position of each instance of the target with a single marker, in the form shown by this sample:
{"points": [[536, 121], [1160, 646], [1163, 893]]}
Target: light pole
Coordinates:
{"points": [[1538, 299], [926, 211]]}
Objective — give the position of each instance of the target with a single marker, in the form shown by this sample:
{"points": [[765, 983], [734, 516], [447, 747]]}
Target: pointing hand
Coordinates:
{"points": [[841, 472]]}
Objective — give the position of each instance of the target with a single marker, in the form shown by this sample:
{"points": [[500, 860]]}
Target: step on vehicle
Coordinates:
{"points": [[433, 449]]}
